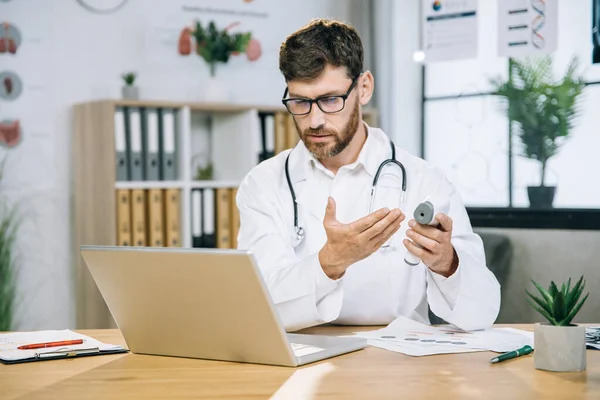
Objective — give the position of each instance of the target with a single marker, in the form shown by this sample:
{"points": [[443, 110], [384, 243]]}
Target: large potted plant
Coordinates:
{"points": [[8, 231], [544, 112], [559, 344]]}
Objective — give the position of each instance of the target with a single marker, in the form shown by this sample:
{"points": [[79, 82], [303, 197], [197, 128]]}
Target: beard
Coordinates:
{"points": [[341, 139]]}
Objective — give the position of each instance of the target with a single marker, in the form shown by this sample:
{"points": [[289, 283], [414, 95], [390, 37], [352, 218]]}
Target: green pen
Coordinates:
{"points": [[512, 354]]}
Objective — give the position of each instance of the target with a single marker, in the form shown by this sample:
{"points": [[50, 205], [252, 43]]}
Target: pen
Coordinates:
{"points": [[50, 344], [512, 354]]}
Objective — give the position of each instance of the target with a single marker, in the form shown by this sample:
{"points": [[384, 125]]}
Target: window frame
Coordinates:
{"points": [[511, 216]]}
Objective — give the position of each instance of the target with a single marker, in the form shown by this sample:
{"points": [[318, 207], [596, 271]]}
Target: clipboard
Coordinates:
{"points": [[64, 353], [11, 354]]}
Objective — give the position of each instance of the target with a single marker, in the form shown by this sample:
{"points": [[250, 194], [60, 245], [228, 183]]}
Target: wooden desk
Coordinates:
{"points": [[371, 373]]}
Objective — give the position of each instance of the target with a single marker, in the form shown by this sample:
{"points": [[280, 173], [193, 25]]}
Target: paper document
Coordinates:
{"points": [[592, 337], [413, 338], [9, 343], [449, 29]]}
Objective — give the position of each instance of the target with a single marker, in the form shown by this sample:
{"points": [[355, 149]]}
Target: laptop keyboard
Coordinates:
{"points": [[304, 349]]}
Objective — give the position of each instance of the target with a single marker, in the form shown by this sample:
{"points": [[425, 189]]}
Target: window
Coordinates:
{"points": [[467, 134]]}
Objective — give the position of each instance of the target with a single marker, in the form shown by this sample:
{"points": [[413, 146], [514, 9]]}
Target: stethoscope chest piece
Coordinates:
{"points": [[298, 236]]}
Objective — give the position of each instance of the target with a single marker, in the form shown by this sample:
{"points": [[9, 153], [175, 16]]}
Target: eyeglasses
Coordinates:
{"points": [[328, 104]]}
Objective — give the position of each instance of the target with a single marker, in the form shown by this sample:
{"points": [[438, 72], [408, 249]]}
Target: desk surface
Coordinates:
{"points": [[371, 373]]}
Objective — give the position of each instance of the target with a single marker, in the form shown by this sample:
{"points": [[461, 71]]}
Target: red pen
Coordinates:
{"points": [[50, 344]]}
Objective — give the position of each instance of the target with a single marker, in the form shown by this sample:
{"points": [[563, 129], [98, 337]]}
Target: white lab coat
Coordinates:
{"points": [[381, 287]]}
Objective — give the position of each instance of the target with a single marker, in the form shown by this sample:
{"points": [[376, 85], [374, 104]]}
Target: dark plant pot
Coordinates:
{"points": [[541, 196]]}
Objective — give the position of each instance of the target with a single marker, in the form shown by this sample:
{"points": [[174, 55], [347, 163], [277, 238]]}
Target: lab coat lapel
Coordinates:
{"points": [[312, 196]]}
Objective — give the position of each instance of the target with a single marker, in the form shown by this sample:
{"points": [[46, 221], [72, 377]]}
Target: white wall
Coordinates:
{"points": [[397, 76], [70, 55]]}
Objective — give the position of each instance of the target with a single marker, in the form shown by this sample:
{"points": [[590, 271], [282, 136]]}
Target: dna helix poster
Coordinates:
{"points": [[527, 27]]}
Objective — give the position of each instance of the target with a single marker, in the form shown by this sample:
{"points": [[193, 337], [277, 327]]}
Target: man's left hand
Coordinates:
{"points": [[437, 251]]}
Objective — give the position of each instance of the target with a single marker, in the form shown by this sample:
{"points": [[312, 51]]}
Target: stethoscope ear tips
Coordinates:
{"points": [[298, 236]]}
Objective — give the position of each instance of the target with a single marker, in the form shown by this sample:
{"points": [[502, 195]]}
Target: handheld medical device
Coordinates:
{"points": [[425, 214]]}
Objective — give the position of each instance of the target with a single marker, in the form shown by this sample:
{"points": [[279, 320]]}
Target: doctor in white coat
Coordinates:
{"points": [[348, 267]]}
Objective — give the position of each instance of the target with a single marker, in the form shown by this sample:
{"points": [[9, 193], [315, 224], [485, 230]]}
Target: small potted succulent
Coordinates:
{"points": [[559, 345], [129, 90]]}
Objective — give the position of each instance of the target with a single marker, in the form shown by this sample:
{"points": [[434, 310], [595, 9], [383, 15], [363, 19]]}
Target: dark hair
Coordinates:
{"points": [[306, 52]]}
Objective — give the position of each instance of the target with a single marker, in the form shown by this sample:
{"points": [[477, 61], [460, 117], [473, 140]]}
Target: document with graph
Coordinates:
{"points": [[413, 338]]}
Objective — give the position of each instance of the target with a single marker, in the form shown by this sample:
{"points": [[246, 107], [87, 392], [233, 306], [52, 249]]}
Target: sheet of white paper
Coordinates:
{"points": [[418, 350], [592, 335], [449, 29], [10, 341], [414, 338]]}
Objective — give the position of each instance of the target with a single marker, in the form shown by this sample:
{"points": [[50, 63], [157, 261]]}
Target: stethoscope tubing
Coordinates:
{"points": [[299, 231]]}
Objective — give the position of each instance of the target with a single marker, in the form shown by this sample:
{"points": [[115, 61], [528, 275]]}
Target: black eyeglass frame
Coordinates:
{"points": [[316, 100]]}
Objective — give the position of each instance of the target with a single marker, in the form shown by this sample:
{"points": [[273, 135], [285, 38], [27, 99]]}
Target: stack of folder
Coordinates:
{"points": [[278, 133], [149, 217], [146, 144], [215, 218]]}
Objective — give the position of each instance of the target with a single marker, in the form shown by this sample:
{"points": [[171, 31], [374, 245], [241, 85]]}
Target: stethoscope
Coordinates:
{"points": [[299, 233]]}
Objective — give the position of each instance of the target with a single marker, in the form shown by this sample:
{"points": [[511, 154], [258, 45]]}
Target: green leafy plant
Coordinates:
{"points": [[216, 45], [559, 307], [129, 78], [9, 223], [544, 110]]}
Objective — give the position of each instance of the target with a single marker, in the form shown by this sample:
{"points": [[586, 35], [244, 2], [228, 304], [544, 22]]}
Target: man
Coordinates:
{"points": [[349, 268]]}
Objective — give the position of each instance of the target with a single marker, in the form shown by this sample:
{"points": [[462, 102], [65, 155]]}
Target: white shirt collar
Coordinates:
{"points": [[368, 157]]}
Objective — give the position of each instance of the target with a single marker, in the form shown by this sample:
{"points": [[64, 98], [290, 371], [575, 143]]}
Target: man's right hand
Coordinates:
{"points": [[349, 243]]}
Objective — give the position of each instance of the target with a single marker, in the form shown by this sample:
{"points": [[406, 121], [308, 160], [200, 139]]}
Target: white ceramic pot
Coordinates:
{"points": [[130, 92], [559, 348], [216, 91]]}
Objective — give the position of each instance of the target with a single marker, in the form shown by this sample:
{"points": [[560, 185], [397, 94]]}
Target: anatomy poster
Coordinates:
{"points": [[527, 27], [10, 38], [10, 133], [26, 70], [10, 85]]}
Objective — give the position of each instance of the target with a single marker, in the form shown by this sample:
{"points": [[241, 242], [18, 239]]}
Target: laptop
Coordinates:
{"points": [[201, 303]]}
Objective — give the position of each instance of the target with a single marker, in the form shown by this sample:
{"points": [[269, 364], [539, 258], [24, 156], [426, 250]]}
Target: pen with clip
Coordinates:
{"points": [[512, 354], [50, 344]]}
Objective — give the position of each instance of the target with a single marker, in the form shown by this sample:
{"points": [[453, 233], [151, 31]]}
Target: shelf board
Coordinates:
{"points": [[175, 184], [149, 184], [214, 184], [194, 106]]}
